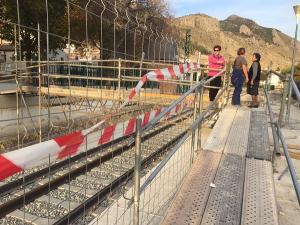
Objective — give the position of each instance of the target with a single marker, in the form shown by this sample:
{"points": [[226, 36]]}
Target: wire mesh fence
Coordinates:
{"points": [[162, 181], [65, 47], [82, 188], [74, 63], [155, 198]]}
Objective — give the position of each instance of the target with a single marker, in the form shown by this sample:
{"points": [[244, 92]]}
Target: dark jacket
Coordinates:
{"points": [[255, 71]]}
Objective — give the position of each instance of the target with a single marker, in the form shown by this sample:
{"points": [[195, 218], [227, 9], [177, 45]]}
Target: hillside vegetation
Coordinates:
{"points": [[235, 32]]}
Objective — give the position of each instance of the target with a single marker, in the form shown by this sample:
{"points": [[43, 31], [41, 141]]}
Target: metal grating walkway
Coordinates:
{"points": [[234, 189], [259, 206], [189, 204], [259, 147], [225, 201], [237, 141]]}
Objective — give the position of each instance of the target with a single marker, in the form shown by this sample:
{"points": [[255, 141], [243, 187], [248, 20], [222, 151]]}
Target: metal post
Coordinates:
{"points": [[187, 45], [283, 100], [194, 131], [40, 80], [200, 124], [48, 68], [288, 109], [49, 188], [137, 172], [19, 30], [290, 165], [273, 125], [69, 69], [199, 59], [269, 76], [191, 79], [17, 88], [119, 79], [223, 86], [87, 52], [266, 88], [140, 74], [159, 52]]}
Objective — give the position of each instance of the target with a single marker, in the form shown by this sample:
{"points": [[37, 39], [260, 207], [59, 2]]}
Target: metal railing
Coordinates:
{"points": [[277, 133], [197, 88], [71, 83], [162, 182]]}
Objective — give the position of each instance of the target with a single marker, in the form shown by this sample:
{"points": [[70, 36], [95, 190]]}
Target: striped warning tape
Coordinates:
{"points": [[73, 143]]}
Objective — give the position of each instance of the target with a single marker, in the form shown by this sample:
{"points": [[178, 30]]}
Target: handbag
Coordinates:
{"points": [[233, 79]]}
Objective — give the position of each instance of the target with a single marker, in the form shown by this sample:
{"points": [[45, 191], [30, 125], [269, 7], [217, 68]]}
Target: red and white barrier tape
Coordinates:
{"points": [[173, 72], [73, 143]]}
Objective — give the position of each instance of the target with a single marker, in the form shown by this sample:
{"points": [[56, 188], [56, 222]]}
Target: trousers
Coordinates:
{"points": [[213, 91], [237, 80]]}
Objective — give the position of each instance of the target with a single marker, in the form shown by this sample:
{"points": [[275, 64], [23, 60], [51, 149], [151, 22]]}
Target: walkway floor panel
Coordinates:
{"points": [[259, 206], [259, 147], [237, 141], [218, 137], [190, 202], [225, 201]]}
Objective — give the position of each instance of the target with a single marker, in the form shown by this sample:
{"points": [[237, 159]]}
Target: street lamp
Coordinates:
{"points": [[297, 13]]}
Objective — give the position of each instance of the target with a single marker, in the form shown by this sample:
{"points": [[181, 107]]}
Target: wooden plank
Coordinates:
{"points": [[219, 135]]}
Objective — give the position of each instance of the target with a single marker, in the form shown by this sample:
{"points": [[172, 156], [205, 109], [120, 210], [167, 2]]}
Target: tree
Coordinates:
{"points": [[32, 13]]}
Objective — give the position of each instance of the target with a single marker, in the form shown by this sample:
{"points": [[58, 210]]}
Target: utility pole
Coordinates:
{"points": [[187, 45], [187, 50], [297, 13]]}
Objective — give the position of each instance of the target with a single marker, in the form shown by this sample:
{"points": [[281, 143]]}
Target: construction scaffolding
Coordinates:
{"points": [[103, 51]]}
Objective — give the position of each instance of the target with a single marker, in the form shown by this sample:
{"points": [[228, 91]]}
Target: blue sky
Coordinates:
{"points": [[278, 14]]}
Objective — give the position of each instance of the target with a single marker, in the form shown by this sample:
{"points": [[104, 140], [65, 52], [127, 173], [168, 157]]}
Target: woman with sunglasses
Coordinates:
{"points": [[216, 62]]}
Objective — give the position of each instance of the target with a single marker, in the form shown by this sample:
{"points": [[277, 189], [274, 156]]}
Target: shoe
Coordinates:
{"points": [[253, 106]]}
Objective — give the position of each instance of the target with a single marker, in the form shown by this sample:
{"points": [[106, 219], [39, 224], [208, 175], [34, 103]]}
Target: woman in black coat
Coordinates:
{"points": [[254, 78]]}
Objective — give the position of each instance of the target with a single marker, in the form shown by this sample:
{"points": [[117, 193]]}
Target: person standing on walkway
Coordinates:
{"points": [[239, 74], [254, 78], [216, 62]]}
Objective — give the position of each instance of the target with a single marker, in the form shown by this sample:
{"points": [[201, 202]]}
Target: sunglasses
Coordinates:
{"points": [[216, 50]]}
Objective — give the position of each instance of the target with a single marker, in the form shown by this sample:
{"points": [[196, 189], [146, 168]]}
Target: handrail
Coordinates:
{"points": [[192, 128], [290, 164], [296, 90], [285, 150], [282, 76], [180, 99], [273, 126], [176, 102]]}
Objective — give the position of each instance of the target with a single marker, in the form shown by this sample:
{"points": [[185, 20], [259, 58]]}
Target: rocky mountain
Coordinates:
{"points": [[235, 32]]}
